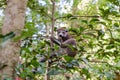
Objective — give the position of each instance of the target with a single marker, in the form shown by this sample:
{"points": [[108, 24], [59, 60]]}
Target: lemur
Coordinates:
{"points": [[65, 41]]}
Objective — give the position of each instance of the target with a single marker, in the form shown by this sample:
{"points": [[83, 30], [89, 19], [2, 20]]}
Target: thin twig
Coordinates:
{"points": [[47, 77], [53, 19]]}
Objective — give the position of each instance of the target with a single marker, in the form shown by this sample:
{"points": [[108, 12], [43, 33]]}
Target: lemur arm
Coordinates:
{"points": [[65, 44], [68, 43], [56, 41]]}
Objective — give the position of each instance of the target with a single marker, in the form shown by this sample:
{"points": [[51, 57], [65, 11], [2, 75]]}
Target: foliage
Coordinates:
{"points": [[98, 41], [98, 47]]}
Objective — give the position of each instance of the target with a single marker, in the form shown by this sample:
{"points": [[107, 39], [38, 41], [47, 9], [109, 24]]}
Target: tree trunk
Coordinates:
{"points": [[9, 50], [117, 76]]}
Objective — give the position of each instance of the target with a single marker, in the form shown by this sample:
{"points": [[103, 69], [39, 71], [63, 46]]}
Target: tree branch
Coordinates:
{"points": [[97, 61], [78, 16]]}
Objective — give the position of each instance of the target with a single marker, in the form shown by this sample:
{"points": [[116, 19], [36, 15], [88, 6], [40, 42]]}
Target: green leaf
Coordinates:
{"points": [[8, 36], [69, 15], [1, 36], [81, 29], [85, 71], [84, 21], [67, 58], [91, 26], [69, 65], [85, 60], [29, 30], [94, 20], [75, 30], [118, 64], [74, 63], [35, 63], [54, 72], [72, 18], [110, 47], [116, 25]]}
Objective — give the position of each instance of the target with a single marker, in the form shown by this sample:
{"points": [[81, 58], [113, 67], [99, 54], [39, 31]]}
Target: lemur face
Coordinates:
{"points": [[63, 33]]}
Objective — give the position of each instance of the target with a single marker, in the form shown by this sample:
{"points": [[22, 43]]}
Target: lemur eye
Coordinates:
{"points": [[66, 30], [58, 32]]}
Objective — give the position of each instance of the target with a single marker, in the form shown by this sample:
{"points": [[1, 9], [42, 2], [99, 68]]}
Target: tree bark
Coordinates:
{"points": [[9, 50]]}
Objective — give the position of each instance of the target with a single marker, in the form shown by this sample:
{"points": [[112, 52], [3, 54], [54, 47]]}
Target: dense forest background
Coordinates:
{"points": [[95, 24]]}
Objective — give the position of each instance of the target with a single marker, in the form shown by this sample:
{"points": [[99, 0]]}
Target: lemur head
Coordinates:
{"points": [[63, 33]]}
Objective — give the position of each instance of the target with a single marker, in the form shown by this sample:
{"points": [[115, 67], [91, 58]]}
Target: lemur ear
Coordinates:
{"points": [[62, 28]]}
